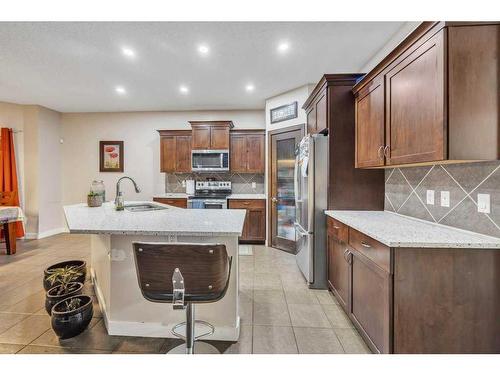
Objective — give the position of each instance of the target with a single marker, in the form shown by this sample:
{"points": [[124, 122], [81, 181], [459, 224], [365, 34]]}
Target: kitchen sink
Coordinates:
{"points": [[139, 207]]}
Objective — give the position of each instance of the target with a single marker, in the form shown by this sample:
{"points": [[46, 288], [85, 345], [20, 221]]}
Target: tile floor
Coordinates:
{"points": [[279, 314]]}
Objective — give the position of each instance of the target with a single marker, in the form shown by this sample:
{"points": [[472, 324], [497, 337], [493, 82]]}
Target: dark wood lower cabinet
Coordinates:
{"points": [[416, 300], [177, 202], [254, 230], [370, 309]]}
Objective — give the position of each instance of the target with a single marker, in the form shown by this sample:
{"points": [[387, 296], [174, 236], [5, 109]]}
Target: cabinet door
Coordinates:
{"points": [[256, 153], [167, 154], [415, 105], [177, 202], [338, 270], [321, 114], [201, 138], [238, 156], [183, 154], [219, 138], [311, 120], [256, 224], [370, 125], [370, 301]]}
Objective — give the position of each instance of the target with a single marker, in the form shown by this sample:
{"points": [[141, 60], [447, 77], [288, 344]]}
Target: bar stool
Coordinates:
{"points": [[184, 274]]}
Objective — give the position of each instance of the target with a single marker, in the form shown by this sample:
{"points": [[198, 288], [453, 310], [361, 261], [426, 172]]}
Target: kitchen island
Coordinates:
{"points": [[125, 310]]}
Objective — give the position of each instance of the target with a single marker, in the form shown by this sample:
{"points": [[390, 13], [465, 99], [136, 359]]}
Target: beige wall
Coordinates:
{"points": [[81, 133]]}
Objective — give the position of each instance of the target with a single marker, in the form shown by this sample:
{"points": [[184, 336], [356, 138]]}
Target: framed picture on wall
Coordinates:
{"points": [[111, 156], [283, 113]]}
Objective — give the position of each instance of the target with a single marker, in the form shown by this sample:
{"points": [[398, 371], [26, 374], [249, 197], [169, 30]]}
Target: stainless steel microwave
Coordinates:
{"points": [[209, 160]]}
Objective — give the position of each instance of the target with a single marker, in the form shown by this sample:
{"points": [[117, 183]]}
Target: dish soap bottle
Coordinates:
{"points": [[119, 203]]}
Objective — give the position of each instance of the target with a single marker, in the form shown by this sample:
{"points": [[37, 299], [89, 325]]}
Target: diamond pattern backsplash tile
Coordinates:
{"points": [[240, 183], [406, 193]]}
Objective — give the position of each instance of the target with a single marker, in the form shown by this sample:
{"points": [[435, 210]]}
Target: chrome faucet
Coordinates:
{"points": [[119, 195]]}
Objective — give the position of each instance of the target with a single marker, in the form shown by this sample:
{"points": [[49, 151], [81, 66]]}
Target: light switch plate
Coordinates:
{"points": [[445, 199], [430, 196], [483, 203]]}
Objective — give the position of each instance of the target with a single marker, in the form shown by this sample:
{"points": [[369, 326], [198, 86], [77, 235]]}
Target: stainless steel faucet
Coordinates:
{"points": [[119, 194]]}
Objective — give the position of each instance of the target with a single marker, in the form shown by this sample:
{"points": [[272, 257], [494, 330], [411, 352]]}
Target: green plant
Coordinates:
{"points": [[72, 304], [63, 275], [92, 194]]}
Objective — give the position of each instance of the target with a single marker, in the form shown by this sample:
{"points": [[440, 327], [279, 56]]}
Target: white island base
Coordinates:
{"points": [[127, 313]]}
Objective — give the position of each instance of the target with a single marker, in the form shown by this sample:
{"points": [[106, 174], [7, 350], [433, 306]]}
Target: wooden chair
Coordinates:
{"points": [[184, 275], [7, 198]]}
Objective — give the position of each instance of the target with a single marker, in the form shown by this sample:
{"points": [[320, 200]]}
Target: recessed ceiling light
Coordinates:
{"points": [[250, 87], [203, 49], [120, 90], [183, 89], [283, 47], [129, 52]]}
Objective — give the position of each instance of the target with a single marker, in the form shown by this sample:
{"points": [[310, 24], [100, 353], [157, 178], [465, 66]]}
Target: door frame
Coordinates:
{"points": [[270, 134]]}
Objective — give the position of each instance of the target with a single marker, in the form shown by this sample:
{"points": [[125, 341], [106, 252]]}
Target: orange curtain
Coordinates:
{"points": [[8, 171]]}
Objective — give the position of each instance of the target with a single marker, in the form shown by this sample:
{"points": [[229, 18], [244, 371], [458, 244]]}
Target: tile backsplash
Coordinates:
{"points": [[406, 192], [240, 183]]}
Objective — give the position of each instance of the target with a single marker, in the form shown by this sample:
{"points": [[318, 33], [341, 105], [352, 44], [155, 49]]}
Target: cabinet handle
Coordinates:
{"points": [[335, 227], [349, 260], [246, 203], [380, 152], [386, 151], [364, 244], [346, 251]]}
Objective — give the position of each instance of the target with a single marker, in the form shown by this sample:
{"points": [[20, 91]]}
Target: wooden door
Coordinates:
{"points": [[219, 138], [321, 114], [256, 153], [415, 105], [201, 137], [238, 153], [311, 120], [338, 270], [281, 186], [183, 154], [167, 154], [370, 125], [371, 289]]}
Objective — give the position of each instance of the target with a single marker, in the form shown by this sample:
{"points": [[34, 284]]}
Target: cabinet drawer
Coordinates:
{"points": [[247, 203], [372, 249], [337, 229], [176, 202]]}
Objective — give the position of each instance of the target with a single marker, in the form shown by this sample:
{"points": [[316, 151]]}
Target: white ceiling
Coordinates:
{"points": [[75, 67]]}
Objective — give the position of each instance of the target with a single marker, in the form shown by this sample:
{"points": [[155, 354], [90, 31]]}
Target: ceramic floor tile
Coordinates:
{"points": [[8, 320], [337, 317], [308, 316], [28, 305], [26, 330], [351, 341], [325, 297], [271, 314], [276, 340], [267, 281], [317, 341], [244, 344], [140, 345], [10, 348], [36, 349], [246, 313], [269, 296], [300, 297]]}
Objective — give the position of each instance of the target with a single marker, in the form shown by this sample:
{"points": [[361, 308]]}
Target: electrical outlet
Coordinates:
{"points": [[254, 185], [430, 197], [445, 199], [483, 203], [183, 183]]}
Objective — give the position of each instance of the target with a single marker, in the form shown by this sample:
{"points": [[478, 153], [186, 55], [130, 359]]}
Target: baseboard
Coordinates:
{"points": [[47, 233]]}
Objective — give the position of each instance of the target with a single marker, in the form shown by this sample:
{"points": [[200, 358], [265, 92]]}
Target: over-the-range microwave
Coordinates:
{"points": [[209, 160]]}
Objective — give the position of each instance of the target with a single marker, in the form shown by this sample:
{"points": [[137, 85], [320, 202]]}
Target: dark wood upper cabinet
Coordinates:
{"points": [[439, 90], [370, 125], [311, 120], [211, 135], [175, 151], [247, 152]]}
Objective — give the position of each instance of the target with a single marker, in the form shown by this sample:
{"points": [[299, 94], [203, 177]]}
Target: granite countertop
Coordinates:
{"points": [[232, 196], [194, 222], [396, 230]]}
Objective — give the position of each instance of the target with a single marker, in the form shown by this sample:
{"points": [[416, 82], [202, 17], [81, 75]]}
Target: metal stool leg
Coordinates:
{"points": [[189, 328]]}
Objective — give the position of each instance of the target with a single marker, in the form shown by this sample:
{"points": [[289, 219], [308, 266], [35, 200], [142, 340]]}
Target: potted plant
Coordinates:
{"points": [[94, 199], [71, 316], [55, 274], [67, 288]]}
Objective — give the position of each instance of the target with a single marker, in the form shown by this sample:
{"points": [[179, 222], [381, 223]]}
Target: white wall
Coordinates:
{"points": [[81, 133]]}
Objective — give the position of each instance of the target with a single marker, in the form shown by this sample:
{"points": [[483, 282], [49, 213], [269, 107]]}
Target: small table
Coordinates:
{"points": [[9, 216]]}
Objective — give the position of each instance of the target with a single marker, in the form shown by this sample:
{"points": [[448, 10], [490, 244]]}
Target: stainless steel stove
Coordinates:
{"points": [[210, 195]]}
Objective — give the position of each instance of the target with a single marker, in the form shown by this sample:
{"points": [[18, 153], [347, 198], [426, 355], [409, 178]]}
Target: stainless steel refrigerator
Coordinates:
{"points": [[311, 187]]}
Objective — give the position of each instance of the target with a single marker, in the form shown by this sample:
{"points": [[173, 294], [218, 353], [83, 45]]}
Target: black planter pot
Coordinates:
{"points": [[70, 324], [80, 265], [51, 298]]}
